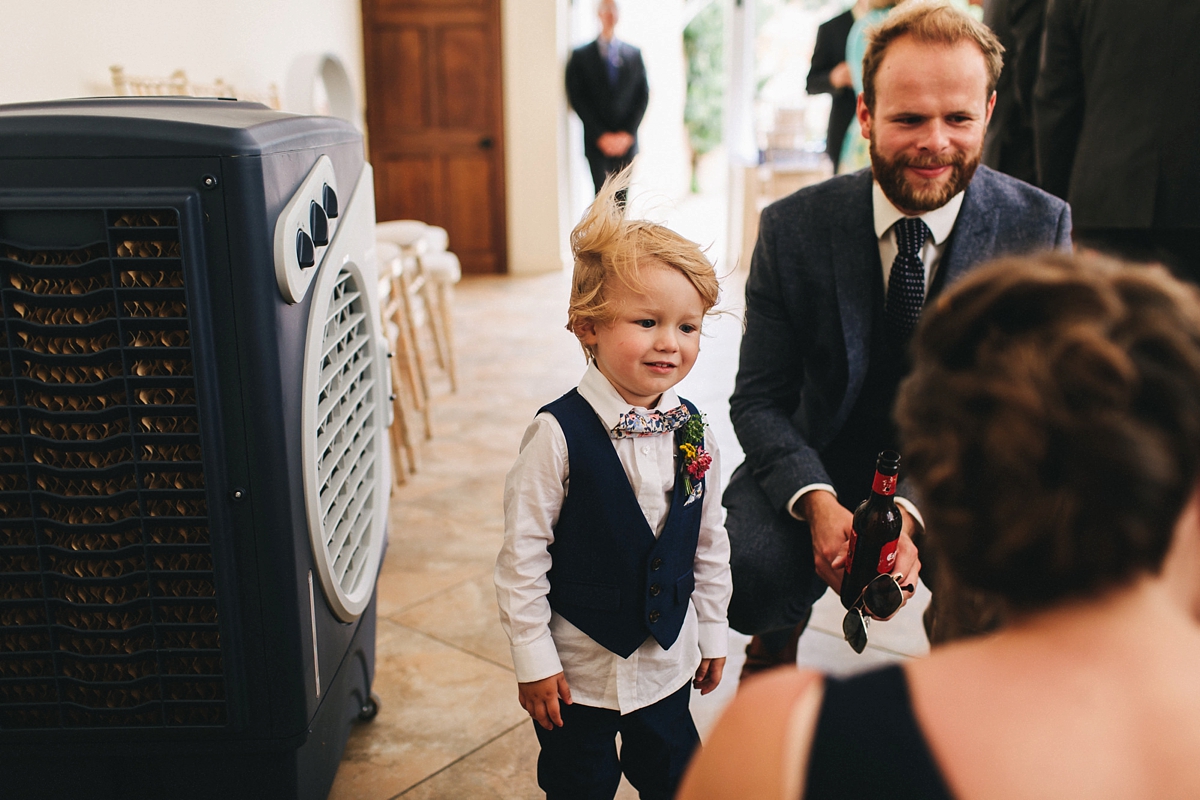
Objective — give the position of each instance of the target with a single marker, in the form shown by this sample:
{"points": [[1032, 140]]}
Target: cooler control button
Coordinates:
{"points": [[319, 224], [305, 252], [329, 201]]}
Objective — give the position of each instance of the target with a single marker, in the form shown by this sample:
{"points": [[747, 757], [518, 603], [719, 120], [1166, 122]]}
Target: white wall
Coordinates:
{"points": [[535, 108], [64, 48], [663, 171], [656, 26], [548, 183]]}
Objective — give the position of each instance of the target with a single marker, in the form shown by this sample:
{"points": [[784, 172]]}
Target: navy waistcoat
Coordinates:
{"points": [[610, 577]]}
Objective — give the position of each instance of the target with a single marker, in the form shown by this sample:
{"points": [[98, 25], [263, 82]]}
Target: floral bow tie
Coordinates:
{"points": [[652, 424]]}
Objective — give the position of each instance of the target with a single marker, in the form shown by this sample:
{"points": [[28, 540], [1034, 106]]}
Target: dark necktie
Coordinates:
{"points": [[906, 281], [612, 60]]}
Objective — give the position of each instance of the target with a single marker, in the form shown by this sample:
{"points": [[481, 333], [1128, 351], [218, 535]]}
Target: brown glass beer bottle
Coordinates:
{"points": [[876, 529]]}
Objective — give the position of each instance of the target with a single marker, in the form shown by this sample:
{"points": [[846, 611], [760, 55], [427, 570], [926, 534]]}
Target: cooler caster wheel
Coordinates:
{"points": [[370, 708]]}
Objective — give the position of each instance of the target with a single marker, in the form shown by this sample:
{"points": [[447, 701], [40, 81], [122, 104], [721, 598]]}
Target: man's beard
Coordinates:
{"points": [[904, 195]]}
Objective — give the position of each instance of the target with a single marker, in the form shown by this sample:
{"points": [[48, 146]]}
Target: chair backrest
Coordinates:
{"points": [[405, 233], [391, 261], [436, 238]]}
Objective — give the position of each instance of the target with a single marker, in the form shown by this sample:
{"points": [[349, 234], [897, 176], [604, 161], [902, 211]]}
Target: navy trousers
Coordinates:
{"points": [[579, 761]]}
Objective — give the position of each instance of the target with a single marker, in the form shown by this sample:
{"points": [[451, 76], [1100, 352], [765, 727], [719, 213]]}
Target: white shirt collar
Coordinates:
{"points": [[607, 402], [940, 221]]}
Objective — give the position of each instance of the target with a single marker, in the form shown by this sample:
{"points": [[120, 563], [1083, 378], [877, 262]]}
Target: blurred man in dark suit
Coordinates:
{"points": [[1018, 24], [606, 84], [1117, 116], [829, 74]]}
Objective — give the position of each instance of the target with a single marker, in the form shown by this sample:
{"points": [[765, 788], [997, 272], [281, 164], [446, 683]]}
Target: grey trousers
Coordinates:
{"points": [[774, 582]]}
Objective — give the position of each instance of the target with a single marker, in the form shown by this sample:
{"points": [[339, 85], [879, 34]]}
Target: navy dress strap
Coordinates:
{"points": [[867, 744]]}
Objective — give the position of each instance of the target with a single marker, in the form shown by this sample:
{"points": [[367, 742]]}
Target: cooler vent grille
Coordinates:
{"points": [[347, 449], [108, 607]]}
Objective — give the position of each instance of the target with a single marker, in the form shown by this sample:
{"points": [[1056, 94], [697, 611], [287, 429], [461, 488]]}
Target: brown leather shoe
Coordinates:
{"points": [[760, 658]]}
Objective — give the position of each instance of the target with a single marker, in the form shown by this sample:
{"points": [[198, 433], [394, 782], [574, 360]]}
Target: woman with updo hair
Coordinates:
{"points": [[1052, 424]]}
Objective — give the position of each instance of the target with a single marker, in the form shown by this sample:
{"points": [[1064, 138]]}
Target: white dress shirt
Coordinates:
{"points": [[543, 643], [940, 222]]}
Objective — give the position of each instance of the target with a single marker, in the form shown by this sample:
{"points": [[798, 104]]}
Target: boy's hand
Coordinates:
{"points": [[708, 674], [540, 699]]}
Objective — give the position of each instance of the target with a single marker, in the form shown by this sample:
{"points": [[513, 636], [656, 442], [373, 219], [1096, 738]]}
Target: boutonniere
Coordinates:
{"points": [[696, 460]]}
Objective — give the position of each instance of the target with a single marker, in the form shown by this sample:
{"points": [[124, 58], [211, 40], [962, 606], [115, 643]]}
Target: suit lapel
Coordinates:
{"points": [[974, 237], [854, 258], [596, 63], [622, 67]]}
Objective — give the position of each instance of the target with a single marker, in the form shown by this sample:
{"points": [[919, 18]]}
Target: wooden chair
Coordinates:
{"points": [[399, 265], [437, 270], [406, 392], [403, 456], [442, 271]]}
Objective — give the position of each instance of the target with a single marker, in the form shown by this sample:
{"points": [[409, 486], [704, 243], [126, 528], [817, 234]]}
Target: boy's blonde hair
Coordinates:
{"points": [[608, 246]]}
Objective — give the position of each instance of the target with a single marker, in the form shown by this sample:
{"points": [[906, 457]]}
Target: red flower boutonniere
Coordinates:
{"points": [[696, 460]]}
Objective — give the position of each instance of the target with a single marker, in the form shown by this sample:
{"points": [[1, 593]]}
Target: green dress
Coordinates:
{"points": [[856, 152]]}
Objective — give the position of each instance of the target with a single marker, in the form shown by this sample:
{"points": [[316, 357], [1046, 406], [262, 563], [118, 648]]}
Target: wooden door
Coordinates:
{"points": [[436, 120]]}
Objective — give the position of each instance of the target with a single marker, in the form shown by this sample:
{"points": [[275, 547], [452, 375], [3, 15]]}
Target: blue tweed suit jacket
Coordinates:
{"points": [[809, 311]]}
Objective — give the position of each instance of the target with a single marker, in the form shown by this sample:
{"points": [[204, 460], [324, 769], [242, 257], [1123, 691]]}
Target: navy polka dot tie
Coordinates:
{"points": [[906, 281]]}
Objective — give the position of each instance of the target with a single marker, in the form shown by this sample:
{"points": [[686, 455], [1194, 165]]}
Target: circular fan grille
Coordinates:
{"points": [[345, 447]]}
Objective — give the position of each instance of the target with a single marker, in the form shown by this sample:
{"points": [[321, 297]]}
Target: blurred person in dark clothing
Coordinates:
{"points": [[830, 74], [1018, 24], [606, 84], [1117, 118]]}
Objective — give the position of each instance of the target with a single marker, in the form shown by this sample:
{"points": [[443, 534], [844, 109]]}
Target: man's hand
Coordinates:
{"points": [[907, 567], [840, 77], [540, 699], [830, 524], [708, 674], [614, 144], [908, 560]]}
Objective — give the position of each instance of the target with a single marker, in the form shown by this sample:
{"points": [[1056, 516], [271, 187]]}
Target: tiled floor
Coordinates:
{"points": [[450, 725]]}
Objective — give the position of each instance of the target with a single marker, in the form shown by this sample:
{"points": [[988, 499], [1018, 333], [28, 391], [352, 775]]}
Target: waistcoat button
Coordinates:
{"points": [[654, 615], [655, 589], [656, 564]]}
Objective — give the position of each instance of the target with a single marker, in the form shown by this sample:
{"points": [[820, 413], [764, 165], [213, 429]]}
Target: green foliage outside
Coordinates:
{"points": [[703, 44]]}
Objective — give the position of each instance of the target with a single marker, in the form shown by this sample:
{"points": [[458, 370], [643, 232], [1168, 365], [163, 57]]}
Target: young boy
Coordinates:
{"points": [[614, 576]]}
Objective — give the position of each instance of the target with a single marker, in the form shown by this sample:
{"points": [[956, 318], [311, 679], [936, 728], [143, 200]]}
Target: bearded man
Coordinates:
{"points": [[839, 276]]}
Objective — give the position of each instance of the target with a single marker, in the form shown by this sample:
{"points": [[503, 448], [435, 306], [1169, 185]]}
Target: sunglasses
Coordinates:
{"points": [[881, 598]]}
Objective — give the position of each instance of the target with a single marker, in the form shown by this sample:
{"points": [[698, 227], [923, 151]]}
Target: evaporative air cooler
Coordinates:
{"points": [[193, 461]]}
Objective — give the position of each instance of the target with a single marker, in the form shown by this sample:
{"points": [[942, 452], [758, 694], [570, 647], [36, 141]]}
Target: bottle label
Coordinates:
{"points": [[884, 484], [887, 557]]}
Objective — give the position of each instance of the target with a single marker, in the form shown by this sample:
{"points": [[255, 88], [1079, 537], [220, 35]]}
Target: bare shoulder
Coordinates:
{"points": [[1016, 717], [760, 746]]}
